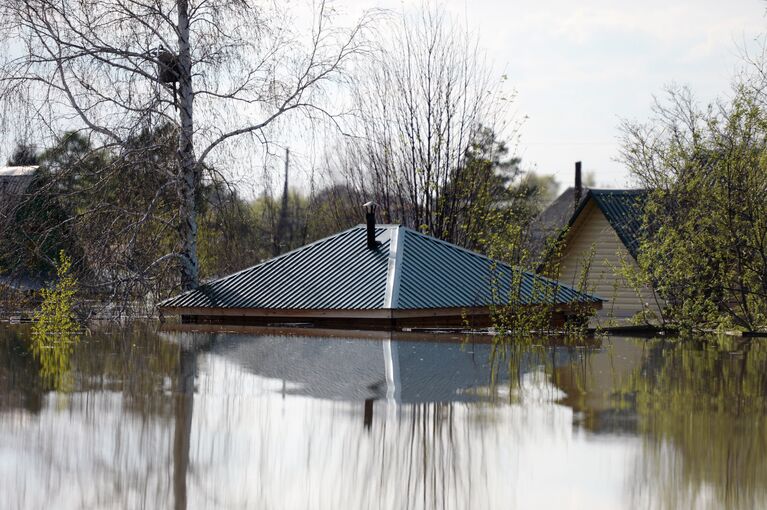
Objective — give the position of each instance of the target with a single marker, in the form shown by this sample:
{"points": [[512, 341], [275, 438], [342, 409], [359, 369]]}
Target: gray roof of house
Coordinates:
{"points": [[408, 270], [548, 225], [14, 183], [14, 180]]}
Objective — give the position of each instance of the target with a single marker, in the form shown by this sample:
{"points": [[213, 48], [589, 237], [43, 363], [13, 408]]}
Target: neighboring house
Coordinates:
{"points": [[547, 226], [14, 182], [374, 277], [598, 244]]}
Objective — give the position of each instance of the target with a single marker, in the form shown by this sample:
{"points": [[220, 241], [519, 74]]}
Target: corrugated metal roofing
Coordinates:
{"points": [[437, 274], [408, 270], [338, 272], [14, 181], [623, 210]]}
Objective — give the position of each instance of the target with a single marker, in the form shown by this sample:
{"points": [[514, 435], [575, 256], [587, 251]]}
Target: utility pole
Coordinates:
{"points": [[282, 223]]}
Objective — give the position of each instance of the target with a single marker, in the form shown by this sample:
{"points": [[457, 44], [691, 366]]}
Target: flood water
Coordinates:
{"points": [[135, 418]]}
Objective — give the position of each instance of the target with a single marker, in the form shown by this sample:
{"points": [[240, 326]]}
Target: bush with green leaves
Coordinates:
{"points": [[56, 328], [705, 247]]}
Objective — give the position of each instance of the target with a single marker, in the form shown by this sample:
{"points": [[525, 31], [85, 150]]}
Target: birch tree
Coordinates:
{"points": [[220, 71]]}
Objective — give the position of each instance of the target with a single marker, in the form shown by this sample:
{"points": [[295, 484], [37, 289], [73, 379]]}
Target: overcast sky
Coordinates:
{"points": [[580, 66]]}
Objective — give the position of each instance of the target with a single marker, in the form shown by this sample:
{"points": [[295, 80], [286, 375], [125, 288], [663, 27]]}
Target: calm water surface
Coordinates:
{"points": [[135, 418]]}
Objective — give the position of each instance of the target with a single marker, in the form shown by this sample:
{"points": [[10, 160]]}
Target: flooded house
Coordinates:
{"points": [[375, 276], [14, 181], [553, 219], [598, 244]]}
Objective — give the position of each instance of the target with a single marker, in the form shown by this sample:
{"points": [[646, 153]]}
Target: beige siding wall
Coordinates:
{"points": [[603, 279]]}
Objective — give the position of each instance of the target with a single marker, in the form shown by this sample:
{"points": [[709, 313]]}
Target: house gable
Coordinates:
{"points": [[594, 252]]}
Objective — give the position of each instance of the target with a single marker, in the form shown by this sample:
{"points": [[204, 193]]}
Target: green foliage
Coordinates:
{"points": [[706, 218], [55, 330], [496, 200], [34, 234], [57, 311], [23, 155], [513, 319], [228, 234]]}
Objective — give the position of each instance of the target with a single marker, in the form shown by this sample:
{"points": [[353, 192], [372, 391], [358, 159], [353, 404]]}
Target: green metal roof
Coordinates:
{"points": [[623, 210], [408, 270]]}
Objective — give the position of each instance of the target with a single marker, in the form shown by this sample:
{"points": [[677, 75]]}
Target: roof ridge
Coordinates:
{"points": [[620, 191], [620, 227], [394, 269]]}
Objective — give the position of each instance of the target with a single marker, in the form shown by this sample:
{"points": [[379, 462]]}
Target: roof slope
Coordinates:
{"points": [[551, 221], [14, 181], [437, 274], [408, 270], [337, 272], [623, 210]]}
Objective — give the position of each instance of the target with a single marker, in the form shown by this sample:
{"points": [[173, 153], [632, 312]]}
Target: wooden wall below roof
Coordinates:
{"points": [[622, 301], [425, 319]]}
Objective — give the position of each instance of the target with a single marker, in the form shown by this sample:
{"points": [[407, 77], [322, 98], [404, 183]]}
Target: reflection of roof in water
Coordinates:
{"points": [[353, 369]]}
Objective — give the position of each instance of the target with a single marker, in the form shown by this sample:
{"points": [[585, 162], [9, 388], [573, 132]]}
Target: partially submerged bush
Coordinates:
{"points": [[56, 328]]}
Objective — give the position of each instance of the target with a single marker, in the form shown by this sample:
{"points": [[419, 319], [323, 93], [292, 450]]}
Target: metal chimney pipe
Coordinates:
{"points": [[578, 184], [370, 220]]}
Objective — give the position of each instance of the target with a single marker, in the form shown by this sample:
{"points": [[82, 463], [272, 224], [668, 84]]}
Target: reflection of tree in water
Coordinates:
{"points": [[182, 432], [133, 361], [132, 436], [109, 372], [20, 384], [512, 362], [698, 407], [53, 351], [428, 468], [702, 419]]}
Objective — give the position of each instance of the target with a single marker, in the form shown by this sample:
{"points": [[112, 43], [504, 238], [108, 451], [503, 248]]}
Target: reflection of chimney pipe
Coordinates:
{"points": [[578, 184], [370, 219], [367, 418]]}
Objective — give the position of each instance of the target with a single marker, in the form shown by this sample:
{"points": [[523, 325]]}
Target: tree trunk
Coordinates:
{"points": [[188, 169]]}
